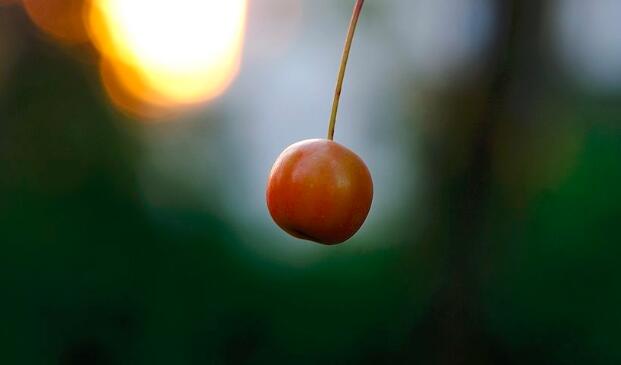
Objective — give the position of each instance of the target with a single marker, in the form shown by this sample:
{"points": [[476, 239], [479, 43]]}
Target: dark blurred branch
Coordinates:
{"points": [[455, 324]]}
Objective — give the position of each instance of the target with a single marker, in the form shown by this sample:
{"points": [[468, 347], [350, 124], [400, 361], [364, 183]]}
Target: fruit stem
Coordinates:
{"points": [[339, 82]]}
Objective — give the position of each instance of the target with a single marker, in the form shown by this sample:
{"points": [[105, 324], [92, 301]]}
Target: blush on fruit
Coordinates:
{"points": [[319, 190]]}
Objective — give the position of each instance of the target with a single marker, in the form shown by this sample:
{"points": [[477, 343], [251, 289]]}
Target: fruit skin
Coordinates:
{"points": [[320, 191]]}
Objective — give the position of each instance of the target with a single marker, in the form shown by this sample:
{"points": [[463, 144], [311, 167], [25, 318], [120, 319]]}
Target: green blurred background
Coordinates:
{"points": [[492, 130]]}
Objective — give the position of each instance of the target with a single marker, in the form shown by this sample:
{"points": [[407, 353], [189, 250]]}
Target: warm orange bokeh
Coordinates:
{"points": [[130, 93], [160, 57], [62, 19]]}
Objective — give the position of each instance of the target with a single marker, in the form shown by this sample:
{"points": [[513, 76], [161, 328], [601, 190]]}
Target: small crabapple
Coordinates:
{"points": [[318, 189]]}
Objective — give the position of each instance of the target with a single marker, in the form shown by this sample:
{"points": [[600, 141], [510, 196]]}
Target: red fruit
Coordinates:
{"points": [[319, 190]]}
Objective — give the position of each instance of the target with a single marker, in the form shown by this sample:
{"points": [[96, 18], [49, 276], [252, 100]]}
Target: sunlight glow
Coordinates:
{"points": [[167, 55]]}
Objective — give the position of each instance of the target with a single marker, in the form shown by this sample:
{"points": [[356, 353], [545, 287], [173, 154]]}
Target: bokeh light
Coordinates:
{"points": [[159, 58], [588, 40], [130, 93], [62, 19], [273, 28], [444, 37]]}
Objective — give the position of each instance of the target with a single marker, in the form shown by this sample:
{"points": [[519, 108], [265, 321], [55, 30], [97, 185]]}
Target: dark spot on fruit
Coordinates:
{"points": [[302, 235]]}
